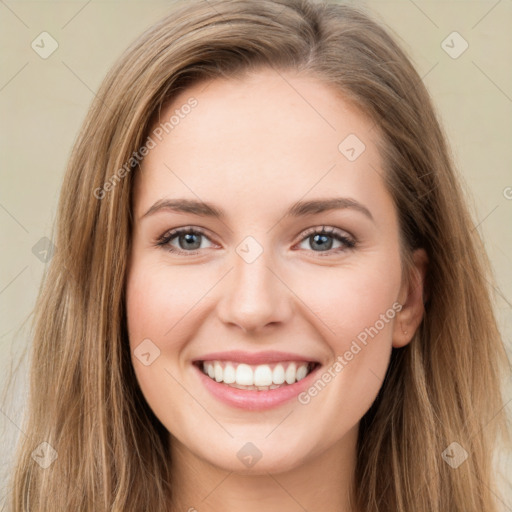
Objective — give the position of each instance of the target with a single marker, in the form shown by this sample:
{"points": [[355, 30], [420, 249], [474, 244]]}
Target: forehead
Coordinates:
{"points": [[269, 137]]}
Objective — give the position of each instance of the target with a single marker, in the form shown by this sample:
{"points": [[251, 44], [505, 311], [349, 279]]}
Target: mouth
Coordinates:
{"points": [[255, 380], [261, 377]]}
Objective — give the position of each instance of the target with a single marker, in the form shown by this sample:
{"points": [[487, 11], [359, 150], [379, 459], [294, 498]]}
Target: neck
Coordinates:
{"points": [[322, 482]]}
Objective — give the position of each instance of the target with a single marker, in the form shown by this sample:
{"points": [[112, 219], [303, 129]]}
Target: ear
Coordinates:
{"points": [[411, 295]]}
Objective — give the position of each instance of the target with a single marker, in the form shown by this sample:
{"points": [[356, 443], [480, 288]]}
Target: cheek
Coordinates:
{"points": [[349, 299], [158, 302], [356, 309], [158, 317]]}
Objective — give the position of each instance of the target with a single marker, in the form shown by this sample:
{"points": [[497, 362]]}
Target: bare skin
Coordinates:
{"points": [[253, 147]]}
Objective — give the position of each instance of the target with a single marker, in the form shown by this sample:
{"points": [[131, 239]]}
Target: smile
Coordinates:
{"points": [[257, 377], [255, 387]]}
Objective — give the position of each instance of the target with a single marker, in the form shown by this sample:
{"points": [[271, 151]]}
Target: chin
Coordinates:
{"points": [[248, 459]]}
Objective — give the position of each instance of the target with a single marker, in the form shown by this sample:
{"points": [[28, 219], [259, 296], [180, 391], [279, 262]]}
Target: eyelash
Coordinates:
{"points": [[164, 239]]}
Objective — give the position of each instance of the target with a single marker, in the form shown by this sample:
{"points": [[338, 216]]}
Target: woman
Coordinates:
{"points": [[263, 367]]}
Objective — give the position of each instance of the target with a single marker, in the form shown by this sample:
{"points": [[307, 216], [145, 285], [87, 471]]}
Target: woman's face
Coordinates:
{"points": [[254, 171]]}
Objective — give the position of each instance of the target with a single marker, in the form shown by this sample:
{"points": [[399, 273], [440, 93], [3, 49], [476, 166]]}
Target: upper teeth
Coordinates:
{"points": [[257, 375]]}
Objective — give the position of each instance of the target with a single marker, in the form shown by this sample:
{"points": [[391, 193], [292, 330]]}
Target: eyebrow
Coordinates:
{"points": [[298, 209]]}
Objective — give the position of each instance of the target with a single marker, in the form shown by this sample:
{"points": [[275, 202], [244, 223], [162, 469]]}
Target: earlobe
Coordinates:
{"points": [[410, 316]]}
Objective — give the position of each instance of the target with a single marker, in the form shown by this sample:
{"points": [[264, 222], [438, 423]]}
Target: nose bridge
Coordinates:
{"points": [[254, 296]]}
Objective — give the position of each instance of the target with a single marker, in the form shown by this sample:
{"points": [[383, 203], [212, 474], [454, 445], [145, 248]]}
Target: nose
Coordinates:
{"points": [[254, 295]]}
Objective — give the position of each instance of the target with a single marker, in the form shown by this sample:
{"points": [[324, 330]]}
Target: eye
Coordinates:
{"points": [[188, 240], [322, 239]]}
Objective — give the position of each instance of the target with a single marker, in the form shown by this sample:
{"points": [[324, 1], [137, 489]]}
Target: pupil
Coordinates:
{"points": [[323, 237], [189, 239]]}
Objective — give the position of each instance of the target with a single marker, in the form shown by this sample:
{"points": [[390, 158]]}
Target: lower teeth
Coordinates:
{"points": [[255, 388]]}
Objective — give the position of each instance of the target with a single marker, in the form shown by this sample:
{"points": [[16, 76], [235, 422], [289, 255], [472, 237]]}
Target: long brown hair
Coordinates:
{"points": [[443, 387]]}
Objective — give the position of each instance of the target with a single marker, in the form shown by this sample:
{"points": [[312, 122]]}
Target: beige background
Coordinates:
{"points": [[43, 102]]}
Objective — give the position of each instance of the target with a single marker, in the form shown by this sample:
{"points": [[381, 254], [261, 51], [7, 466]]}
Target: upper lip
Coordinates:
{"points": [[239, 356]]}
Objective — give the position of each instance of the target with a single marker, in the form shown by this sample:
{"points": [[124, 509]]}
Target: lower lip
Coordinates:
{"points": [[255, 400]]}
